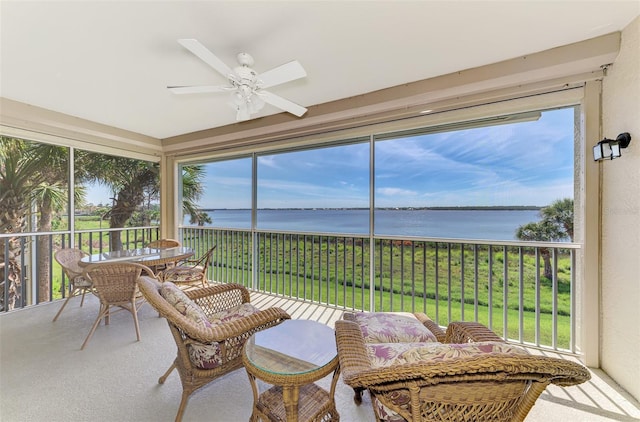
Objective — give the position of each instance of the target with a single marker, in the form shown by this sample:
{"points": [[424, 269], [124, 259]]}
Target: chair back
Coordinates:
{"points": [[205, 260], [150, 289], [116, 282], [69, 260], [163, 244]]}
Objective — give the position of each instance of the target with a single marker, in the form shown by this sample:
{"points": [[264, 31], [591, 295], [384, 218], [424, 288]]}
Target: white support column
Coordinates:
{"points": [[169, 198], [589, 267]]}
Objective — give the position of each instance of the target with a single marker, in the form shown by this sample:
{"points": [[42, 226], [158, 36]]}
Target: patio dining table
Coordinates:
{"points": [[147, 256]]}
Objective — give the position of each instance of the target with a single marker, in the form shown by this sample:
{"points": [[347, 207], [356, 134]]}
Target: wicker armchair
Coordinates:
{"points": [[69, 260], [474, 375], [116, 285], [230, 321], [191, 273]]}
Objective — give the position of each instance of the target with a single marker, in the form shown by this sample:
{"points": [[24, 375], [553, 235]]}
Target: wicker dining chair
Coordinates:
{"points": [[210, 326], [115, 284], [69, 260], [473, 376], [190, 273], [162, 244]]}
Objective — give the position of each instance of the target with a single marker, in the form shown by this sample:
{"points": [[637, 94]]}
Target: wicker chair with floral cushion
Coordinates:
{"points": [[69, 260], [190, 273], [472, 376], [210, 326]]}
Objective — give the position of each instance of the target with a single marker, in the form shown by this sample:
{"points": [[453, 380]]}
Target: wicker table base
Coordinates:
{"points": [[314, 404]]}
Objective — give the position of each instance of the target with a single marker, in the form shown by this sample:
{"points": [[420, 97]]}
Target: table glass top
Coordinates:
{"points": [[139, 255], [294, 347]]}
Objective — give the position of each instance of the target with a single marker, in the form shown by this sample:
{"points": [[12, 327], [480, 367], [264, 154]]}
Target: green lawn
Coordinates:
{"points": [[436, 278]]}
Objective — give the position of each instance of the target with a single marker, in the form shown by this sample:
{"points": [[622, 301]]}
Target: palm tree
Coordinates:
{"points": [[19, 173], [556, 225], [50, 196], [192, 190], [33, 174], [133, 182], [542, 231], [560, 212], [128, 179]]}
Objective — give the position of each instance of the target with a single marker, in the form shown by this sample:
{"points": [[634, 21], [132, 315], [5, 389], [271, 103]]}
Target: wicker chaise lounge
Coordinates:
{"points": [[473, 375], [210, 326]]}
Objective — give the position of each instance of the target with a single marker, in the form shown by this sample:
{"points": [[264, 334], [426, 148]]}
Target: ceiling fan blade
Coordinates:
{"points": [[282, 103], [281, 74], [199, 89], [206, 56]]}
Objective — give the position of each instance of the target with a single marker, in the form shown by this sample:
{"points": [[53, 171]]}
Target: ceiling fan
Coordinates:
{"points": [[247, 87]]}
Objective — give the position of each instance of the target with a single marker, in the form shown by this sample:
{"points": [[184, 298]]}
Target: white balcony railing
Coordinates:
{"points": [[500, 284], [28, 273]]}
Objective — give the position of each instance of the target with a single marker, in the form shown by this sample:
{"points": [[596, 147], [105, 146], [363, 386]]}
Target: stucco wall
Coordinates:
{"points": [[620, 317]]}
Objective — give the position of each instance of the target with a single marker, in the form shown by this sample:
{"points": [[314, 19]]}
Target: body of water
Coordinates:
{"points": [[457, 224]]}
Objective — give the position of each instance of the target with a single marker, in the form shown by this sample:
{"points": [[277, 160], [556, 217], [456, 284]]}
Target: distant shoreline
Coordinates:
{"points": [[462, 208]]}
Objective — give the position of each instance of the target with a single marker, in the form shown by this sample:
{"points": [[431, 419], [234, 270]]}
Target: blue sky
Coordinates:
{"points": [[529, 163]]}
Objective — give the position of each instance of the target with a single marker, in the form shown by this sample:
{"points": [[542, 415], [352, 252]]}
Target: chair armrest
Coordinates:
{"points": [[152, 281], [431, 326], [469, 332], [352, 352], [247, 325]]}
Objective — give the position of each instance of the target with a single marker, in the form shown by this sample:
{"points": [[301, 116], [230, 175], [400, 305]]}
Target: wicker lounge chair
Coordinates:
{"points": [[69, 260], [210, 326], [473, 376], [116, 285]]}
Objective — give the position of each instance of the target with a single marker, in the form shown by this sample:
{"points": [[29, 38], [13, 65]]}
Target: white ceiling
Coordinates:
{"points": [[110, 61]]}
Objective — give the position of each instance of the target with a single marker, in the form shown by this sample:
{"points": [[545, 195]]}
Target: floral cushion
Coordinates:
{"points": [[400, 399], [176, 298], [233, 314], [205, 356], [183, 275], [392, 327], [209, 356], [384, 355], [387, 354]]}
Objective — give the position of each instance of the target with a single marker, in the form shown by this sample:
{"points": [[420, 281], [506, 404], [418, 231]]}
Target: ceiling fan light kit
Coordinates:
{"points": [[247, 87]]}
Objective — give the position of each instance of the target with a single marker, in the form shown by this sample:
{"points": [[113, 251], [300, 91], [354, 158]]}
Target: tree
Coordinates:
{"points": [[192, 190], [560, 212], [34, 177], [19, 173], [556, 225], [133, 182], [50, 196], [129, 179]]}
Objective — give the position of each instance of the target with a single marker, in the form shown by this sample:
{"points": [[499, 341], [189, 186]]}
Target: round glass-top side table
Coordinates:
{"points": [[292, 356]]}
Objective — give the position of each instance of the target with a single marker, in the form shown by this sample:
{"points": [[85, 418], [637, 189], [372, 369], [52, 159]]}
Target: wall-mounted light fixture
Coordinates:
{"points": [[608, 149]]}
